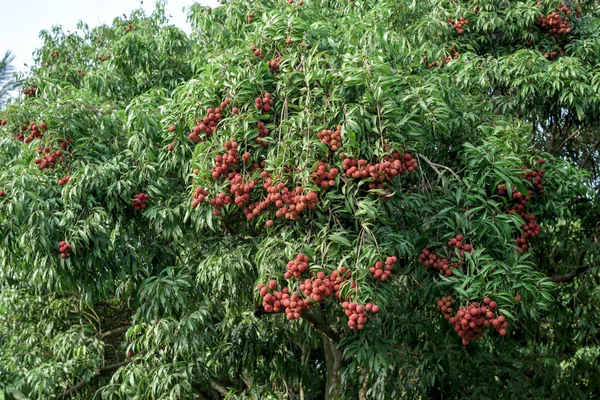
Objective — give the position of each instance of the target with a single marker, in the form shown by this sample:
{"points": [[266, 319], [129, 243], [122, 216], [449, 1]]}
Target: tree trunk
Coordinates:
{"points": [[362, 393], [333, 363]]}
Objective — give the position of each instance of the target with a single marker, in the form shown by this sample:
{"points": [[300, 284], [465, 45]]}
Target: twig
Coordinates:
{"points": [[434, 165]]}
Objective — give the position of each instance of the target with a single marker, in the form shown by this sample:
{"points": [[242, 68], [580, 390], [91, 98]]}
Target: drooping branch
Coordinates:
{"points": [[321, 326], [571, 275]]}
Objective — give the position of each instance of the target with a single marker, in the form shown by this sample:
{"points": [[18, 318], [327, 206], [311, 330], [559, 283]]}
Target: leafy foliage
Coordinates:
{"points": [[467, 132]]}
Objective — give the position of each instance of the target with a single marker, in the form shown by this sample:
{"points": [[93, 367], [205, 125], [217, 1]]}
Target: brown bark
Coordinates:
{"points": [[571, 275], [362, 393], [333, 363]]}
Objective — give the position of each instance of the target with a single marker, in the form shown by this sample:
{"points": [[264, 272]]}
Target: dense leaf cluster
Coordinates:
{"points": [[440, 130]]}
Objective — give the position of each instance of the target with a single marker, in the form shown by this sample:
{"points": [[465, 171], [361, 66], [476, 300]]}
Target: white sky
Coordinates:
{"points": [[22, 20]]}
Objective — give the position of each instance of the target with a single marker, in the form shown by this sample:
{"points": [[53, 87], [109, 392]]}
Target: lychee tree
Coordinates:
{"points": [[315, 199]]}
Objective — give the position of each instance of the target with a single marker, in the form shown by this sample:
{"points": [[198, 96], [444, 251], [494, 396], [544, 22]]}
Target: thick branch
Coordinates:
{"points": [[219, 387], [571, 275], [115, 331], [319, 325]]}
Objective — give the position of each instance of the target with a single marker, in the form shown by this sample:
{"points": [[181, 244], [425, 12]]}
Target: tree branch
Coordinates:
{"points": [[115, 331], [434, 165], [571, 275], [319, 325], [219, 387]]}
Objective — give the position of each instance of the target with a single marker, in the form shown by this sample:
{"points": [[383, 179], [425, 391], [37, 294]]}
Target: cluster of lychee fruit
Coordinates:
{"points": [[250, 17], [49, 159], [31, 91], [324, 176], [224, 163], [530, 229], [265, 103], [319, 288], [381, 272], [80, 72], [446, 59], [388, 169], [199, 196], [139, 201], [35, 132], [554, 23], [445, 264], [469, 321], [300, 2], [330, 138], [274, 63], [208, 124], [357, 313], [257, 52], [65, 249], [2, 193], [297, 267], [2, 122], [63, 181], [536, 177], [263, 132], [458, 24]]}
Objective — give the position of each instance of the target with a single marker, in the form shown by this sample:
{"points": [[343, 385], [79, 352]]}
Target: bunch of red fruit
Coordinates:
{"points": [[289, 203], [225, 162], [458, 24], [357, 313], [456, 243], [63, 143], [469, 321], [2, 193], [265, 104], [379, 272], [80, 72], [139, 201], [30, 92], [208, 124], [389, 168], [297, 267], [263, 131], [221, 200], [257, 52], [324, 176], [444, 264], [64, 181], [199, 196], [274, 63], [250, 17], [333, 139], [49, 160], [530, 229], [319, 288], [240, 190], [35, 132], [430, 259], [554, 23], [65, 249], [536, 177], [3, 122]]}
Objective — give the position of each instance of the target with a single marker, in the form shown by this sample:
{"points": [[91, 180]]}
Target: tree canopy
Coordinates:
{"points": [[304, 200]]}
